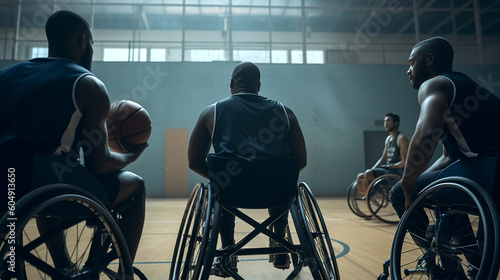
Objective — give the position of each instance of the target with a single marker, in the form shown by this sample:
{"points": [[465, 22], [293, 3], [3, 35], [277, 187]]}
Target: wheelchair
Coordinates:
{"points": [[375, 203], [93, 239], [459, 235], [259, 184]]}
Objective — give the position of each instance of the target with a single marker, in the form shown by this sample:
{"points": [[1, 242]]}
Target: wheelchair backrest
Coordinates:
{"points": [[259, 183]]}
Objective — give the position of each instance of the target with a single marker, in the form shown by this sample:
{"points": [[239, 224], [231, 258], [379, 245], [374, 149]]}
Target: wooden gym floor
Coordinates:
{"points": [[361, 246]]}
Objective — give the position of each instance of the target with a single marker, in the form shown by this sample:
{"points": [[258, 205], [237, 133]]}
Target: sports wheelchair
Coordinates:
{"points": [[258, 184], [375, 203], [93, 239], [456, 235]]}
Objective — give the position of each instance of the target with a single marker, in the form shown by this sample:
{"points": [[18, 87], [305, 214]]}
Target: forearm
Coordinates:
{"points": [[200, 167]]}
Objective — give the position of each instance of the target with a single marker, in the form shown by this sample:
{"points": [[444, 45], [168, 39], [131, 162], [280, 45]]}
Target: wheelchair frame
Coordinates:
{"points": [[73, 209], [449, 253], [375, 203], [196, 243]]}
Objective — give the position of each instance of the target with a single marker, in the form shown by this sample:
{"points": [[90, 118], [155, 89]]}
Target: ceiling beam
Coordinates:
{"points": [[412, 20], [456, 11]]}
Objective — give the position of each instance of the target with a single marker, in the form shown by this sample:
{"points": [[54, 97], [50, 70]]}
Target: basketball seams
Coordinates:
{"points": [[130, 122]]}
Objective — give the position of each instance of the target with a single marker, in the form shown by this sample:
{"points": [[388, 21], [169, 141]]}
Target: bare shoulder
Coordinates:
{"points": [[437, 86], [90, 92]]}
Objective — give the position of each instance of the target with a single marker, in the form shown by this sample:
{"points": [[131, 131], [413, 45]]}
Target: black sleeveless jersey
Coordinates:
{"points": [[250, 126], [38, 109], [393, 151], [472, 123]]}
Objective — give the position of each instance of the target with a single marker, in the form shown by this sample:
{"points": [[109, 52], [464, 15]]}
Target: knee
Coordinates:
{"points": [[140, 186]]}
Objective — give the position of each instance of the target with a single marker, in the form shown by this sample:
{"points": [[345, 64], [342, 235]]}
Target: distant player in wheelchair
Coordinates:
{"points": [[447, 221], [393, 156]]}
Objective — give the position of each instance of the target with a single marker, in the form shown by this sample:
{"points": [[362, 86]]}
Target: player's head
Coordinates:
{"points": [[428, 59], [245, 78], [70, 37], [391, 122]]}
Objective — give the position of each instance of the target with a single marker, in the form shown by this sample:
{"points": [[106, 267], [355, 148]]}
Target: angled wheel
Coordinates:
{"points": [[93, 240], [189, 251], [357, 202], [377, 198], [317, 234], [460, 240]]}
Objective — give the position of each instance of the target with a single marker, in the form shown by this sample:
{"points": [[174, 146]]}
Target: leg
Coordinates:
{"points": [[280, 224], [361, 184], [418, 221], [57, 244], [132, 223], [227, 228]]}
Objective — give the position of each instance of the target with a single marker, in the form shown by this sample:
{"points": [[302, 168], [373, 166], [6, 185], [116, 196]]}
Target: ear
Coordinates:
{"points": [[231, 85], [258, 87], [82, 41], [430, 59]]}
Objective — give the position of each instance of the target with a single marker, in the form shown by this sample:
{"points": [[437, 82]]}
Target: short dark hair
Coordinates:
{"points": [[394, 117], [61, 25], [246, 74], [440, 47]]}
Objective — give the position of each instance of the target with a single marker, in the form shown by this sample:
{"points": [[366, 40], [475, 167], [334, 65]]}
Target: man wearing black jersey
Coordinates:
{"points": [[50, 108], [455, 110], [393, 157]]}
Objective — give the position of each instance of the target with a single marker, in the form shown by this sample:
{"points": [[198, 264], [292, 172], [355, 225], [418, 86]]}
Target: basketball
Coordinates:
{"points": [[129, 124]]}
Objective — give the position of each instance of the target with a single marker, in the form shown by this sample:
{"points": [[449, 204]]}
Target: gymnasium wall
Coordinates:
{"points": [[334, 104]]}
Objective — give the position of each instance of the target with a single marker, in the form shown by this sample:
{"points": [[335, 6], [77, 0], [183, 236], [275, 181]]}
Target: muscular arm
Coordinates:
{"points": [[296, 140], [93, 101], [199, 143], [433, 96]]}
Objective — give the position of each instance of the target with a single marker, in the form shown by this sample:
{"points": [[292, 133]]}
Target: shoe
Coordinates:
{"points": [[280, 261], [217, 268]]}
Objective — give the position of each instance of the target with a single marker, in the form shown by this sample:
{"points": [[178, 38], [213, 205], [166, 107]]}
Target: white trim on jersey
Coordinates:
{"points": [[68, 136], [454, 129]]}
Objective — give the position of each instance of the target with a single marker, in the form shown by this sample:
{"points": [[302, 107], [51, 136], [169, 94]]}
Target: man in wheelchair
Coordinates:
{"points": [[455, 110], [393, 157], [54, 109], [248, 126]]}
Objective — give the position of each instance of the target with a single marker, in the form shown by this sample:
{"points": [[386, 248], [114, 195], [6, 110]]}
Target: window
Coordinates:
{"points": [[207, 55], [39, 52]]}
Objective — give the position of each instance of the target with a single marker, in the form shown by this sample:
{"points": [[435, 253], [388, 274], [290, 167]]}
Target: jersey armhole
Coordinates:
{"points": [[454, 91], [73, 92]]}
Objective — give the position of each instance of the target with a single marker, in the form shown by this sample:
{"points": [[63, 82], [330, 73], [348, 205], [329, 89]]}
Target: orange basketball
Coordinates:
{"points": [[129, 123]]}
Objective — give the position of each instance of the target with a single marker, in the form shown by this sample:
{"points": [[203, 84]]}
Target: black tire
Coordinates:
{"points": [[190, 247], [317, 233], [94, 240], [357, 202], [378, 200], [457, 250]]}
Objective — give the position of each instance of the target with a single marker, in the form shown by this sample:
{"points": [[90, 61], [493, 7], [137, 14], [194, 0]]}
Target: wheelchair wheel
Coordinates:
{"points": [[377, 198], [460, 240], [190, 247], [357, 202], [317, 234], [94, 242]]}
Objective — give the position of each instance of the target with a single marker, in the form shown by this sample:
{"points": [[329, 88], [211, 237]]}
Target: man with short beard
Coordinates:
{"points": [[393, 157], [49, 107]]}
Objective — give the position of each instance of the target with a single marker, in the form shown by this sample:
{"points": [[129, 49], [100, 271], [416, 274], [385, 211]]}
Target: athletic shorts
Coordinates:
{"points": [[56, 169]]}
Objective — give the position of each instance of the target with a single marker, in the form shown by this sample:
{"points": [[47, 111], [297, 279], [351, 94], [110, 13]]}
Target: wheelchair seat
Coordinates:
{"points": [[258, 183]]}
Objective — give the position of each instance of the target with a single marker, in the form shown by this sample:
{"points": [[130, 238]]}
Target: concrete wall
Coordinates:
{"points": [[334, 105]]}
